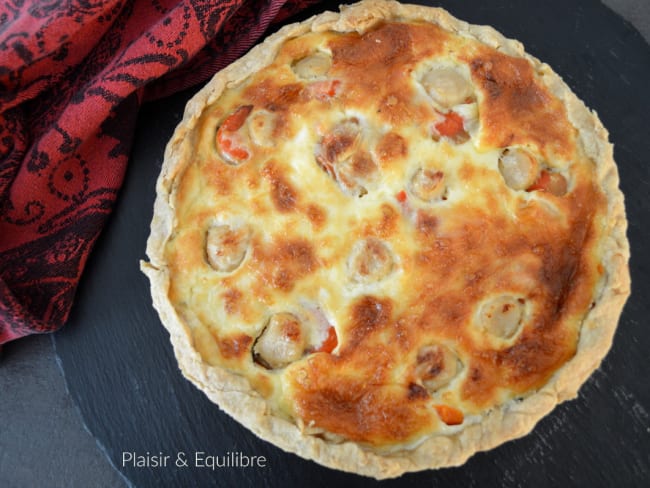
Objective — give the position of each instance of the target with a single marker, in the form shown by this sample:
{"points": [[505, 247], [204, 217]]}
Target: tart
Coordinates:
{"points": [[386, 239]]}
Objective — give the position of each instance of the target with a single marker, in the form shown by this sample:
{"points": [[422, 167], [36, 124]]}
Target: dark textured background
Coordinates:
{"points": [[123, 379]]}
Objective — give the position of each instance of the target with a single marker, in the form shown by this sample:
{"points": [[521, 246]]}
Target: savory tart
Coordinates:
{"points": [[386, 239]]}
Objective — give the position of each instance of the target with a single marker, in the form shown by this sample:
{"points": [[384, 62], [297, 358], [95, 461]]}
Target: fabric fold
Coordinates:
{"points": [[72, 78]]}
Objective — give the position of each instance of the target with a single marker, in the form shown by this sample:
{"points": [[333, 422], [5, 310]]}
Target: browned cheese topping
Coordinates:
{"points": [[387, 233]]}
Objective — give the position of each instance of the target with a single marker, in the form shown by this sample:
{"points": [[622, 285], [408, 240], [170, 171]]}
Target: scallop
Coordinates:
{"points": [[371, 260], [519, 168], [282, 342], [341, 155], [428, 185], [447, 86], [261, 124], [313, 66], [502, 316], [356, 173], [226, 246], [436, 366], [339, 143]]}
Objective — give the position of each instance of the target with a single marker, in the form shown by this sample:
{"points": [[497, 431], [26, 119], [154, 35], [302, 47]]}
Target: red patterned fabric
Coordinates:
{"points": [[73, 74]]}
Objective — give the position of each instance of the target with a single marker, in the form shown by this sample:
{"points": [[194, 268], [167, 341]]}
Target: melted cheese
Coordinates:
{"points": [[444, 286]]}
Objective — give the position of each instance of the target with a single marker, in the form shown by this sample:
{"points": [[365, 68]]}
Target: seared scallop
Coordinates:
{"points": [[282, 342], [341, 155], [447, 86], [226, 246], [261, 124], [502, 316], [428, 185], [436, 365], [339, 143], [371, 260], [313, 66], [518, 167]]}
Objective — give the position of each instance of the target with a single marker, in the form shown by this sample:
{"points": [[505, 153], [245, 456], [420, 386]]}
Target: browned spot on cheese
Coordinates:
{"points": [[426, 223], [219, 176], [273, 95], [284, 261], [364, 416], [286, 95], [363, 165], [526, 365], [378, 47], [391, 147], [533, 358], [467, 172], [298, 253], [368, 314], [283, 279], [283, 195], [480, 385], [385, 224], [262, 384], [364, 411], [416, 391], [397, 109], [188, 250], [232, 300], [235, 346], [516, 108], [316, 215]]}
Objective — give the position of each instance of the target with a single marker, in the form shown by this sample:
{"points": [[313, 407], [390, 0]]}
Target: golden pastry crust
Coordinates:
{"points": [[537, 376]]}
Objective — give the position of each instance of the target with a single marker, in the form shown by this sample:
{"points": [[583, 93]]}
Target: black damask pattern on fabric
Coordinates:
{"points": [[72, 77]]}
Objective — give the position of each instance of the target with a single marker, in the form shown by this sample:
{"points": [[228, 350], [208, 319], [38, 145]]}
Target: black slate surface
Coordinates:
{"points": [[120, 369]]}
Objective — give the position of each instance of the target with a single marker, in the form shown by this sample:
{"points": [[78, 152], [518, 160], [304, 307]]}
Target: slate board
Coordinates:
{"points": [[120, 369]]}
